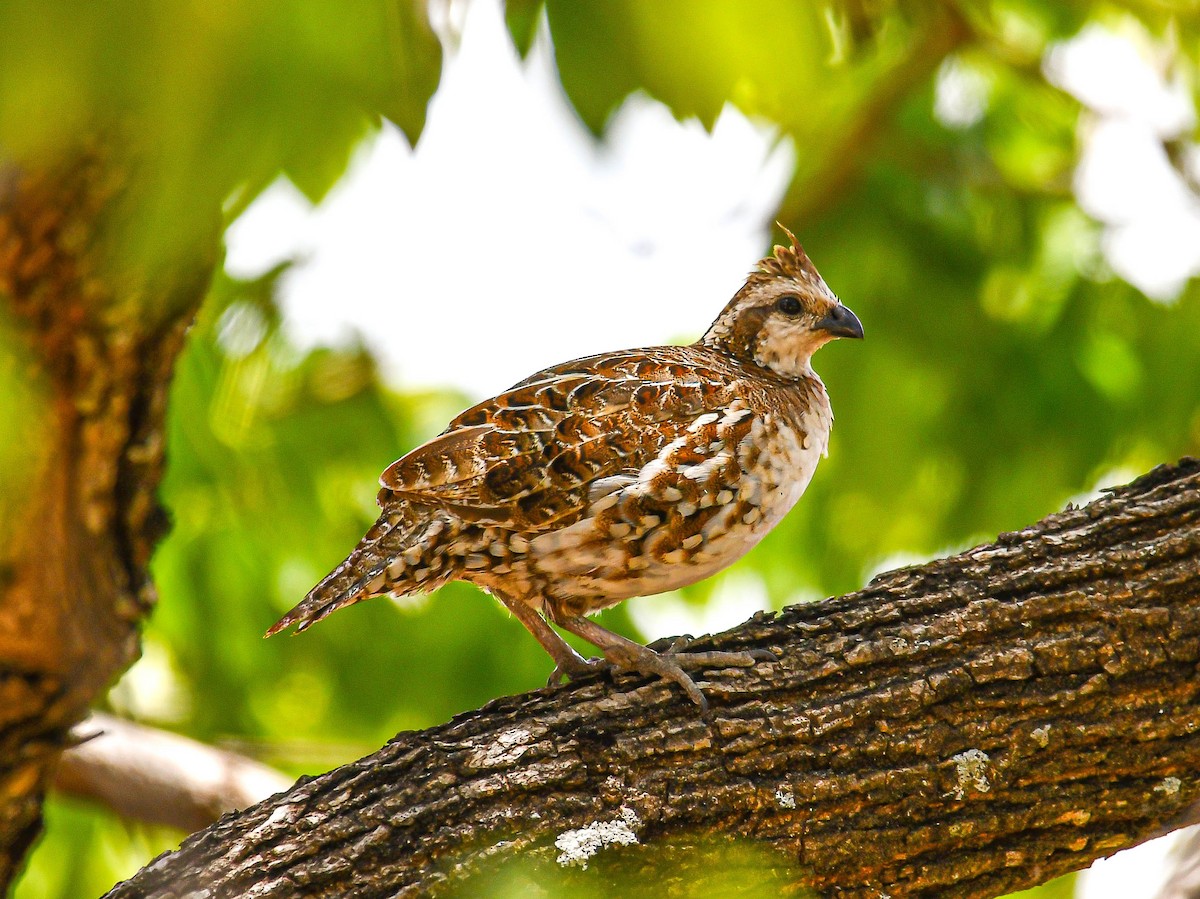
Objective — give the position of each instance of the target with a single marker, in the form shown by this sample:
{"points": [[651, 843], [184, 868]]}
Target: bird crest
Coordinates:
{"points": [[790, 262]]}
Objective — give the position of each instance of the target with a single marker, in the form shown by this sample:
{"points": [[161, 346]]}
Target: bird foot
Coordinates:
{"points": [[639, 659], [667, 659], [575, 668], [672, 663], [676, 648]]}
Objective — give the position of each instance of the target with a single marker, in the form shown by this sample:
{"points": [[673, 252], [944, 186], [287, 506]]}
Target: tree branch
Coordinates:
{"points": [[158, 777], [961, 729]]}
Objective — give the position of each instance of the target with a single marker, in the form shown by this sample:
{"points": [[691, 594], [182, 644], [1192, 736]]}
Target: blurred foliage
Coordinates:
{"points": [[1006, 369], [209, 101], [738, 869], [1059, 888]]}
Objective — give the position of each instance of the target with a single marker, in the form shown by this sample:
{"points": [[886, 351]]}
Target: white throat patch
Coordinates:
{"points": [[787, 347]]}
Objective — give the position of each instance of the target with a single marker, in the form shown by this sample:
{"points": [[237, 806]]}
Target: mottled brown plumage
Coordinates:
{"points": [[618, 475]]}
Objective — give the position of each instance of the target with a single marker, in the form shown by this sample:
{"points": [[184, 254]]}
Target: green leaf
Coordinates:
{"points": [[416, 66], [522, 17]]}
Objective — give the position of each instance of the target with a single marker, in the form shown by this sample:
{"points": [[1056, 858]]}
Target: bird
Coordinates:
{"points": [[614, 476]]}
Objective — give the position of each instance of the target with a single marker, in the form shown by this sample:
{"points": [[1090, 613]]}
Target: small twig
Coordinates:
{"points": [[158, 777]]}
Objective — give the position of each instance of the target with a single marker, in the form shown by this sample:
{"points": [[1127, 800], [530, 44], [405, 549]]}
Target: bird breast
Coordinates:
{"points": [[706, 499]]}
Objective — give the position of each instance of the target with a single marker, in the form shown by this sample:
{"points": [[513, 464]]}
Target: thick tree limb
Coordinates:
{"points": [[158, 777], [961, 729], [97, 338]]}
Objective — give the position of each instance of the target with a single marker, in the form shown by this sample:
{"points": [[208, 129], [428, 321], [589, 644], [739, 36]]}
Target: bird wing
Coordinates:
{"points": [[536, 455]]}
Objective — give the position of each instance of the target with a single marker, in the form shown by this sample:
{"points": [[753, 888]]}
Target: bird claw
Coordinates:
{"points": [[646, 661], [762, 655], [573, 669], [668, 645], [667, 658], [676, 648]]}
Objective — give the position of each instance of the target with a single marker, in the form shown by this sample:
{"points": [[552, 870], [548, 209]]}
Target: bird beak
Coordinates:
{"points": [[841, 322]]}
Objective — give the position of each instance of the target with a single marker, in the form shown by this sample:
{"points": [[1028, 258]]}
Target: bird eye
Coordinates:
{"points": [[788, 305]]}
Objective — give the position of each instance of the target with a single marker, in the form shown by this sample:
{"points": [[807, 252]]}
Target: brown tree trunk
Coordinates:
{"points": [[93, 339], [961, 729]]}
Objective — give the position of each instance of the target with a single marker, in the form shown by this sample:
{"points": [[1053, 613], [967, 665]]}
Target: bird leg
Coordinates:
{"points": [[567, 662], [625, 654]]}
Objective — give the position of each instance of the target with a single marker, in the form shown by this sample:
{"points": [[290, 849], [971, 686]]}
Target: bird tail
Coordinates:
{"points": [[376, 566]]}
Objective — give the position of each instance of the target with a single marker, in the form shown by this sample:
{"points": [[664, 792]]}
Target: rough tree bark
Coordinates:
{"points": [[962, 729], [96, 339]]}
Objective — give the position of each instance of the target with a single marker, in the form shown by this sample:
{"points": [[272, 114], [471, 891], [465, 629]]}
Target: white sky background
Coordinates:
{"points": [[1124, 179], [510, 240]]}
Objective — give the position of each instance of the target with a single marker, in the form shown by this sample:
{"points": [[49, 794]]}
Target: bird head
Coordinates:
{"points": [[782, 315]]}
